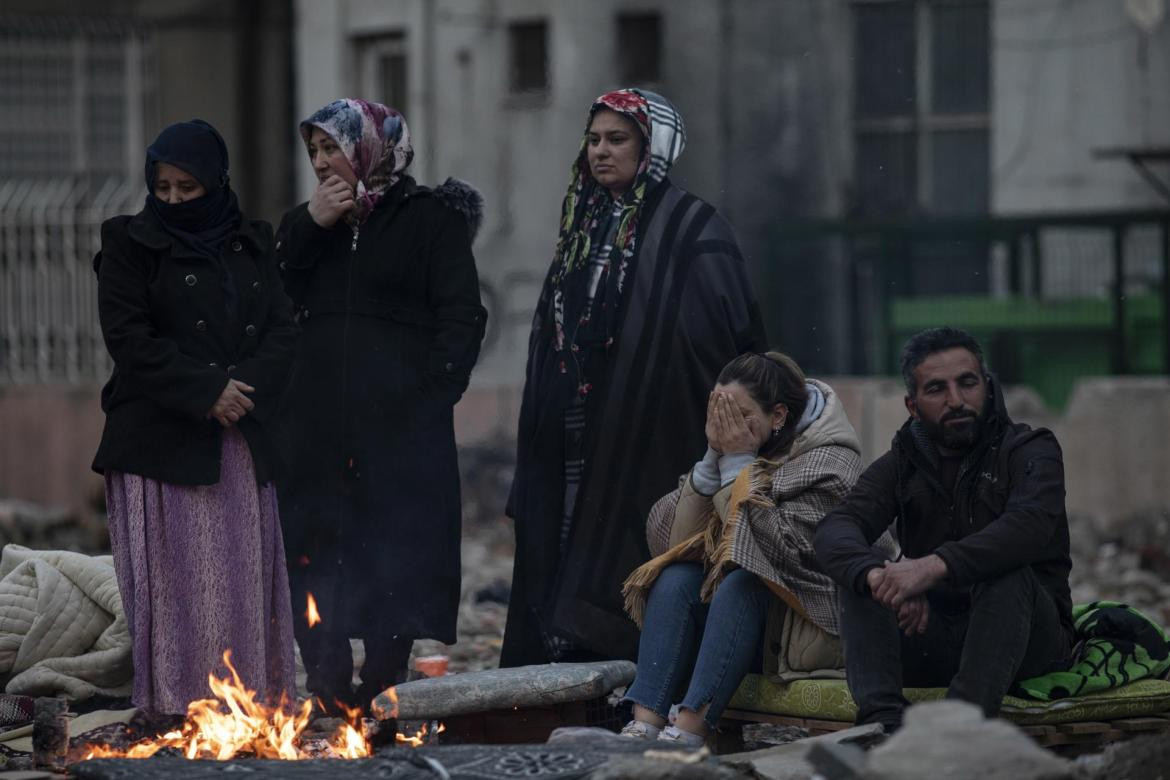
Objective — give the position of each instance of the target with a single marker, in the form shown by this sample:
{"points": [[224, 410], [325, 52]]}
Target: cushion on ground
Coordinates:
{"points": [[504, 689], [830, 700]]}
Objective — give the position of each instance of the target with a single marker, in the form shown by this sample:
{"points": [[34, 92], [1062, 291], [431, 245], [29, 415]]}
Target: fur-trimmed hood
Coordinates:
{"points": [[462, 197]]}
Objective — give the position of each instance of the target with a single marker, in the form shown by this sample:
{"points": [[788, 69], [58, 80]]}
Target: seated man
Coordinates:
{"points": [[981, 591]]}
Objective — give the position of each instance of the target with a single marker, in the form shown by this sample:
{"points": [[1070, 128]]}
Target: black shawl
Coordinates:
{"points": [[689, 310]]}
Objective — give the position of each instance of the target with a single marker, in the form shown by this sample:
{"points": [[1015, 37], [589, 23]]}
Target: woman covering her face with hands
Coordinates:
{"points": [[382, 276], [733, 544], [202, 339]]}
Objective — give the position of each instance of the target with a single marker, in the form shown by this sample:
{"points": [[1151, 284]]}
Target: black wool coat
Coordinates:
{"points": [[391, 327], [174, 345], [688, 308], [1006, 512]]}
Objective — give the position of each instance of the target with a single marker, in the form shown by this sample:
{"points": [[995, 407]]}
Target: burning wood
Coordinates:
{"points": [[235, 725]]}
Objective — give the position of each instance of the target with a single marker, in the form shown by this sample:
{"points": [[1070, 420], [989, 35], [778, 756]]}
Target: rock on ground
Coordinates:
{"points": [[952, 739], [1143, 758]]}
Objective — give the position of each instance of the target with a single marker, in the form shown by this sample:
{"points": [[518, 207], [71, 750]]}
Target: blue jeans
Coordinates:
{"points": [[706, 647]]}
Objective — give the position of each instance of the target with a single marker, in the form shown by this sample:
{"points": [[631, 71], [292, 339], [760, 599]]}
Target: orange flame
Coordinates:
{"points": [[419, 737], [235, 724], [313, 616]]}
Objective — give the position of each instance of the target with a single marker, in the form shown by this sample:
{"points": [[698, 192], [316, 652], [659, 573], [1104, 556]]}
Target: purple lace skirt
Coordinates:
{"points": [[201, 569]]}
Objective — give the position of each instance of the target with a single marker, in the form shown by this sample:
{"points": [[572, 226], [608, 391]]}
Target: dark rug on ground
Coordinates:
{"points": [[459, 762]]}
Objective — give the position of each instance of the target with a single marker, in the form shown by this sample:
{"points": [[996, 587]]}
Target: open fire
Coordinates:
{"points": [[236, 725]]}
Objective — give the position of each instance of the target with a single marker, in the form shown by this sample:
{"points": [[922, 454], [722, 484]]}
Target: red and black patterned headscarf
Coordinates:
{"points": [[584, 208]]}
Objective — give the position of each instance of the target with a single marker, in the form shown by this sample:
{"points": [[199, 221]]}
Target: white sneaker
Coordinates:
{"points": [[677, 736], [636, 729]]}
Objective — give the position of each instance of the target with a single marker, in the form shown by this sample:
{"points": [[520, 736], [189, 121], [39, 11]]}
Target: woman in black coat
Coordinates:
{"points": [[382, 276], [202, 338], [647, 298]]}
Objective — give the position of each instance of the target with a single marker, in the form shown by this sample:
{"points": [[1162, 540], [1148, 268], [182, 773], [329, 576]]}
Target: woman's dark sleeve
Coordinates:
{"points": [[154, 364], [268, 367], [453, 298], [300, 244]]}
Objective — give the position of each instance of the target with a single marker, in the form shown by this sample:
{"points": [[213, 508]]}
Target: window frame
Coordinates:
{"points": [[923, 123]]}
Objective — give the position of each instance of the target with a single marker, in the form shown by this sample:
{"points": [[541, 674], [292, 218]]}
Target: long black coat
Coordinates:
{"points": [[391, 328], [164, 319], [688, 308]]}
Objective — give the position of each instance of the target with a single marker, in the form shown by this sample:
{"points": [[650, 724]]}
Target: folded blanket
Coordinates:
{"points": [[62, 627], [1116, 645]]}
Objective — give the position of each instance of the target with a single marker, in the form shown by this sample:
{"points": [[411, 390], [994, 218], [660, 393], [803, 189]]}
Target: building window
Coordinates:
{"points": [[528, 56], [78, 97], [921, 108], [381, 67], [639, 38]]}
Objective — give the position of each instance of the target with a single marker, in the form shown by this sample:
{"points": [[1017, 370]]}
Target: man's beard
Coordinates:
{"points": [[961, 437]]}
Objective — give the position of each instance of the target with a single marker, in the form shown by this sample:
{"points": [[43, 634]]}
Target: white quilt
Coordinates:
{"points": [[62, 627]]}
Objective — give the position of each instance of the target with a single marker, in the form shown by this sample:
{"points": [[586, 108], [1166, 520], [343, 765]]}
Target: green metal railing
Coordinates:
{"points": [[1053, 297]]}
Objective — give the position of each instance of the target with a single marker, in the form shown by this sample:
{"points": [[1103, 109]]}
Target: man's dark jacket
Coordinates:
{"points": [[1006, 510]]}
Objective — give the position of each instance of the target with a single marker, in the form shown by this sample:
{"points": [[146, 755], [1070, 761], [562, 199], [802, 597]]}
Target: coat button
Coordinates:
{"points": [[250, 330], [450, 367], [256, 286], [190, 280], [201, 325], [237, 246], [278, 244]]}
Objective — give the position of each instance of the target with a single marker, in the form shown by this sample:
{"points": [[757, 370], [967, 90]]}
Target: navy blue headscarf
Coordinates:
{"points": [[205, 222]]}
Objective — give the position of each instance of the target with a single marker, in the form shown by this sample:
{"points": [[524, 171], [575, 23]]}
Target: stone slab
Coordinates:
{"points": [[498, 689]]}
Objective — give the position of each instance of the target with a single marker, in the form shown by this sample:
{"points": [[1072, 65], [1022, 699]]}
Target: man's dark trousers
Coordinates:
{"points": [[1011, 632]]}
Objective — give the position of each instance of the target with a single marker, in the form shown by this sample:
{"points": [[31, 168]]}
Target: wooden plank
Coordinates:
{"points": [[1142, 724], [763, 717], [1081, 727], [827, 726]]}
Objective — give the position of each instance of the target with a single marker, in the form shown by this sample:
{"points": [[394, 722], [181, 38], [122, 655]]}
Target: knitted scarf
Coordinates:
{"points": [[594, 225]]}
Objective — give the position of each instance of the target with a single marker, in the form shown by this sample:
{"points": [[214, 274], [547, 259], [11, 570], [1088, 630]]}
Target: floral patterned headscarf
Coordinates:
{"points": [[586, 203], [375, 140]]}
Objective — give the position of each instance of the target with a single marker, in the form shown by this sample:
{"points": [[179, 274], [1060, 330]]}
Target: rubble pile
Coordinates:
{"points": [[36, 527], [1126, 561]]}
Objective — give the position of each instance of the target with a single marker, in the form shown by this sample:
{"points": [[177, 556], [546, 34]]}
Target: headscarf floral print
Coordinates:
{"points": [[374, 139], [586, 201]]}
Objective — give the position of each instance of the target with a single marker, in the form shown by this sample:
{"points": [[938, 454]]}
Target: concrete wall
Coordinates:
{"points": [[1069, 78], [758, 83], [1113, 436]]}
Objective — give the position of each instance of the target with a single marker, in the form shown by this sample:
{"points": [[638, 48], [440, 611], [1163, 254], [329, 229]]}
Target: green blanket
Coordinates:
{"points": [[1116, 645]]}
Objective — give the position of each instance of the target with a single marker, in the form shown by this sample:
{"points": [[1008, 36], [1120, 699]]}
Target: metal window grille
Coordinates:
{"points": [[78, 96]]}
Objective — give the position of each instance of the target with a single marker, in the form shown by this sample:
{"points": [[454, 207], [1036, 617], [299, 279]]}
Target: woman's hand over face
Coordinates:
{"points": [[732, 433], [711, 428], [232, 404], [330, 201]]}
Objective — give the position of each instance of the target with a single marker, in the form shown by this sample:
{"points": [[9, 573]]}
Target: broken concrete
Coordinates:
{"points": [[952, 739], [502, 689], [790, 761]]}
